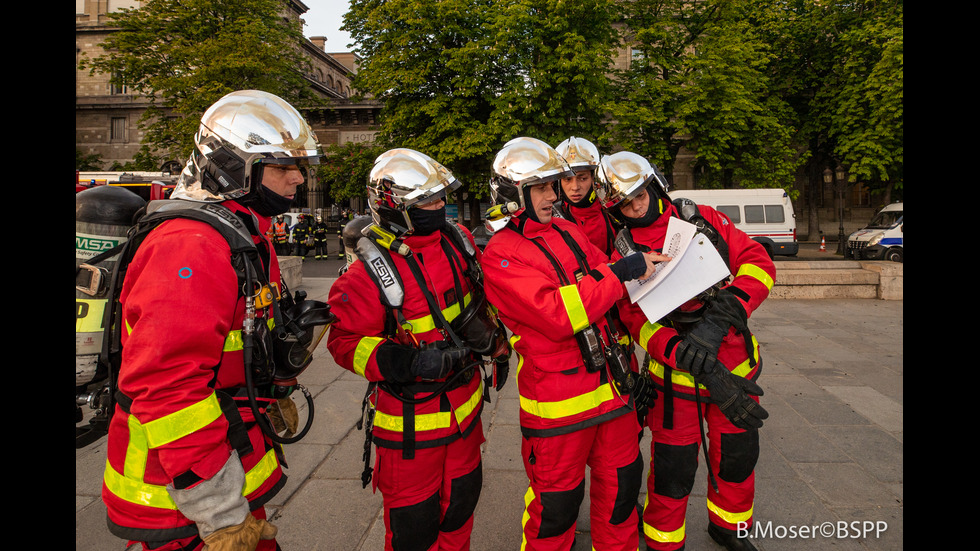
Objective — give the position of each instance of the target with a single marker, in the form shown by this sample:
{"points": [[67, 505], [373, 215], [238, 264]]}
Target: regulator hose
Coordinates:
{"points": [[248, 330]]}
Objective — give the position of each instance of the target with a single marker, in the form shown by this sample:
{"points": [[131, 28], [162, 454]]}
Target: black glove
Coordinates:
{"points": [[401, 364], [704, 340], [502, 367], [437, 360], [731, 394], [629, 267], [726, 308]]}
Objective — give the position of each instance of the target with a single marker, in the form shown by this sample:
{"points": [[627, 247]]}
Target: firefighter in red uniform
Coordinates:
{"points": [[554, 290], [577, 195], [425, 392], [706, 345], [186, 468]]}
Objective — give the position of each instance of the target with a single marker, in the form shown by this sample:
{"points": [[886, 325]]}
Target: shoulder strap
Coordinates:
{"points": [[380, 267], [227, 223]]}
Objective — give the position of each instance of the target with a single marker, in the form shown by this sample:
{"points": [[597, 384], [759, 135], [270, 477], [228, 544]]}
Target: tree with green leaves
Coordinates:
{"points": [[459, 78], [557, 55], [346, 172], [183, 55], [699, 79]]}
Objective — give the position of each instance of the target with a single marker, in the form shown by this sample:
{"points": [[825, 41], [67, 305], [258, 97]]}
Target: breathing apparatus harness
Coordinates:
{"points": [[476, 327], [683, 320], [611, 358], [273, 356]]}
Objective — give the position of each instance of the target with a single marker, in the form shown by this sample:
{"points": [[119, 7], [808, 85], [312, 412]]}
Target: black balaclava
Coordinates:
{"points": [[653, 212], [425, 221], [266, 202], [528, 207]]}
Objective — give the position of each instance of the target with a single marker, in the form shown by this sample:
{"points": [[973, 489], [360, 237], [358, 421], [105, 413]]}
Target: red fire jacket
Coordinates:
{"points": [[545, 311], [360, 330], [754, 275], [183, 313], [594, 223]]}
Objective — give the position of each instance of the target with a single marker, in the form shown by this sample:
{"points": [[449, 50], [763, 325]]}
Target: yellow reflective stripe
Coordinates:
{"points": [[569, 406], [428, 323], [363, 353], [464, 411], [136, 451], [132, 489], [181, 423], [261, 472], [647, 332], [528, 499], [234, 341], [756, 272], [662, 536], [684, 378], [728, 516], [428, 421], [91, 322], [520, 359], [431, 421], [574, 308]]}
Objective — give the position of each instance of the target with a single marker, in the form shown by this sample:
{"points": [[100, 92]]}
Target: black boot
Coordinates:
{"points": [[729, 540]]}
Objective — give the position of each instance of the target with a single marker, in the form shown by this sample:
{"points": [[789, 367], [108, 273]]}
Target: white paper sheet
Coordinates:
{"points": [[695, 265]]}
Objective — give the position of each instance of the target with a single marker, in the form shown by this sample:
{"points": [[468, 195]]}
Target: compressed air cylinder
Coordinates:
{"points": [[103, 215], [350, 235]]}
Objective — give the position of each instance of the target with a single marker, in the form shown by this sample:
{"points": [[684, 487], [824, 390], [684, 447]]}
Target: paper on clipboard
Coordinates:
{"points": [[695, 265]]}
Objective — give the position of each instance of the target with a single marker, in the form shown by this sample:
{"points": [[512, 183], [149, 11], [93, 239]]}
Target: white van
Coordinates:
{"points": [[881, 239], [766, 215]]}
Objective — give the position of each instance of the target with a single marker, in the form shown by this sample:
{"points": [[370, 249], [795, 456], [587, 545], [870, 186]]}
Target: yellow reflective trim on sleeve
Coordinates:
{"points": [[569, 406], [662, 536], [684, 378], [574, 308], [647, 332], [363, 352], [132, 489], [428, 323], [91, 321], [728, 516], [756, 272]]}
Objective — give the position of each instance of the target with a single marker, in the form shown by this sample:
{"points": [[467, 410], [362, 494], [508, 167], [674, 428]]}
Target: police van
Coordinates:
{"points": [[882, 238], [766, 215]]}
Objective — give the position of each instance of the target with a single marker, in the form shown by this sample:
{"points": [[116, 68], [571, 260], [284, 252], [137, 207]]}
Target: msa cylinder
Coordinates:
{"points": [[103, 215]]}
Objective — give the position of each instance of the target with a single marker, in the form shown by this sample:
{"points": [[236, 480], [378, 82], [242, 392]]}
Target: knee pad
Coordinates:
{"points": [[628, 490], [464, 494], [559, 510], [415, 527], [739, 454], [674, 469]]}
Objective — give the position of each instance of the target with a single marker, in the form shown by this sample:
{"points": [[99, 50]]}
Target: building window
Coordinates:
{"points": [[115, 88], [117, 129]]}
